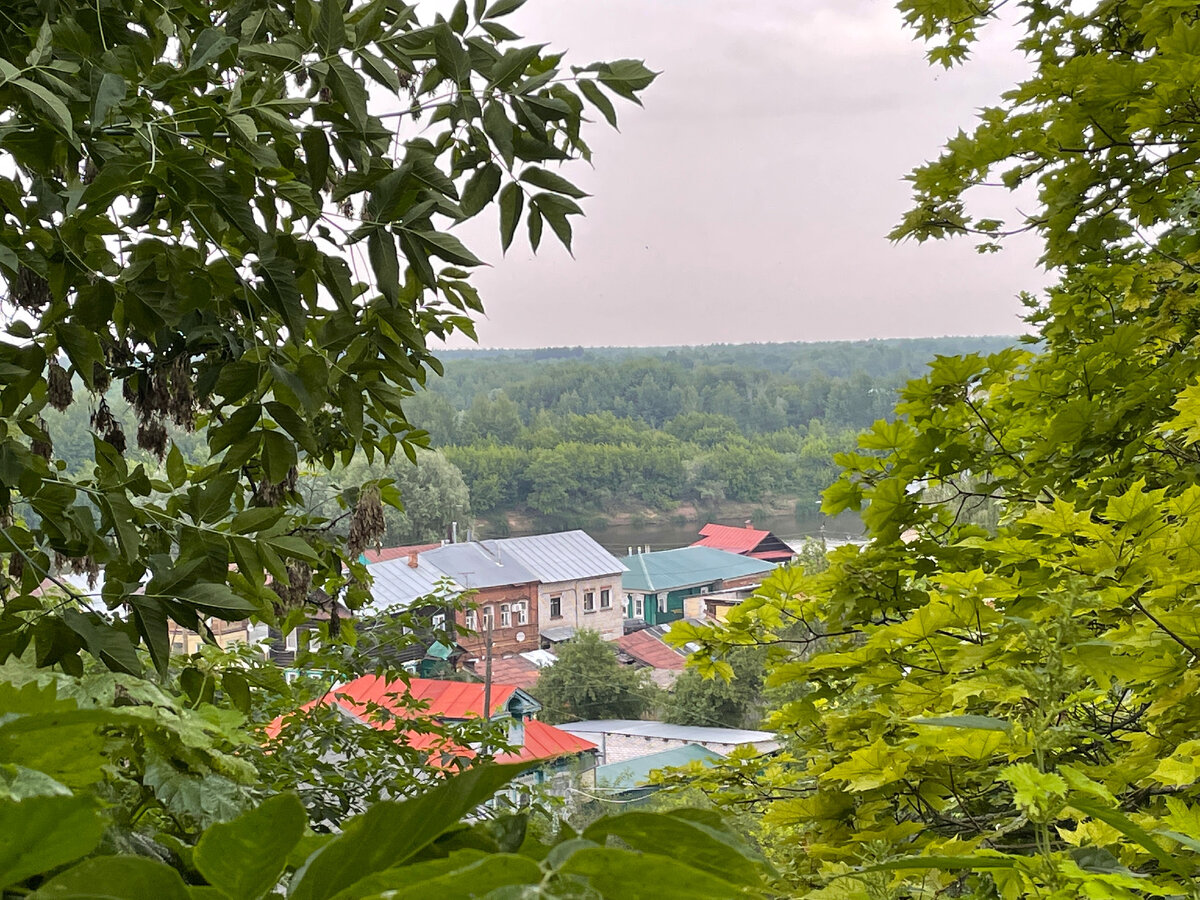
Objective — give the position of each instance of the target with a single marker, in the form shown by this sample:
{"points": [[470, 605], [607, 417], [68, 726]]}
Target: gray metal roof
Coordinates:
{"points": [[563, 556], [699, 734], [557, 633], [396, 583], [479, 564]]}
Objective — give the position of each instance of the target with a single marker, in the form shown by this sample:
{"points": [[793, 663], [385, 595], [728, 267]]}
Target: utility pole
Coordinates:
{"points": [[487, 678]]}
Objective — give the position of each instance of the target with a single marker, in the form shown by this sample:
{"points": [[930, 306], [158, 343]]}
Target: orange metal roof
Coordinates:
{"points": [[733, 540], [446, 700]]}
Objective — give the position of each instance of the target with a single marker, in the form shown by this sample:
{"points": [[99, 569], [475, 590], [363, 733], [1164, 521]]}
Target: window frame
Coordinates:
{"points": [[589, 601], [506, 615], [605, 598], [488, 619], [521, 608], [556, 602]]}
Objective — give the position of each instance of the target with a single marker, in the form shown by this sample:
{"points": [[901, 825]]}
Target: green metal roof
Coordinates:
{"points": [[670, 570], [636, 772]]}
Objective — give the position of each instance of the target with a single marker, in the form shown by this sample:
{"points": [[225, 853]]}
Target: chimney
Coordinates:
{"points": [[454, 532], [412, 559], [629, 551]]}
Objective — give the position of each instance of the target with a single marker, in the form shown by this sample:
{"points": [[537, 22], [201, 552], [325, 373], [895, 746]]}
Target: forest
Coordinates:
{"points": [[569, 436]]}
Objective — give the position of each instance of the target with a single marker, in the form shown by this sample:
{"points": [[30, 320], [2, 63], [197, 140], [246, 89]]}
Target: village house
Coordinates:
{"points": [[534, 591], [657, 583], [746, 541], [559, 754], [578, 583]]}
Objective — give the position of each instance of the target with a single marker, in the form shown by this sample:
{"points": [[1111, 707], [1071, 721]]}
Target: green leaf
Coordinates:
{"points": [[218, 600], [446, 246], [278, 456], [691, 842], [115, 878], [348, 89], [381, 249], [497, 126], [390, 833], [502, 8], [983, 723], [480, 189], [626, 77], [512, 198], [176, 468], [466, 870], [109, 93], [551, 182], [512, 65], [381, 70], [610, 872], [330, 32], [593, 93], [43, 833], [246, 857], [49, 103]]}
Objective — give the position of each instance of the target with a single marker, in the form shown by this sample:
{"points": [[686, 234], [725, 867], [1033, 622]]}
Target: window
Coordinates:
{"points": [[472, 620], [292, 641], [522, 611], [606, 599], [662, 603], [589, 601], [556, 607], [489, 618], [505, 616], [639, 608]]}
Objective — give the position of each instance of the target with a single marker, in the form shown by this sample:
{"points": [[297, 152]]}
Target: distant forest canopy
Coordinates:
{"points": [[572, 437], [567, 434]]}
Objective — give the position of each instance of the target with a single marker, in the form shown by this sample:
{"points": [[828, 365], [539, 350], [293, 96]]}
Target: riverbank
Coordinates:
{"points": [[679, 526]]}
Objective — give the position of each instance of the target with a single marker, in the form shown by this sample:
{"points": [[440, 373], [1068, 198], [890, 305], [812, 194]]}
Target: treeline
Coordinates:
{"points": [[572, 434], [564, 432]]}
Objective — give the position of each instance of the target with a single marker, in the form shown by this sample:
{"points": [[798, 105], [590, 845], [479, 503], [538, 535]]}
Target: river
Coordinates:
{"points": [[791, 529]]}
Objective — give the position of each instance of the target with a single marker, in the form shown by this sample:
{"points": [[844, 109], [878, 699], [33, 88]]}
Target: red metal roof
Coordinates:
{"points": [[648, 649], [515, 670], [446, 700], [384, 554], [728, 538]]}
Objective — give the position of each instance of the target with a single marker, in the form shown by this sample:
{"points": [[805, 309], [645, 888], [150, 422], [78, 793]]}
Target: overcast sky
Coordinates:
{"points": [[750, 199]]}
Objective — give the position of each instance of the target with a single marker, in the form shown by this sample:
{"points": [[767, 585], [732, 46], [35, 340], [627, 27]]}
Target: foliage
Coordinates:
{"points": [[53, 836], [587, 682], [732, 703], [185, 186], [1010, 710]]}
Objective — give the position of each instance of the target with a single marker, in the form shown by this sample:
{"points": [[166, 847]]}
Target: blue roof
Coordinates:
{"points": [[636, 772], [670, 570]]}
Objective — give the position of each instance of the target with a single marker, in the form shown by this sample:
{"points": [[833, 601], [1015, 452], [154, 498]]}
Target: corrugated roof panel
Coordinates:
{"points": [[396, 583], [636, 772], [479, 564], [669, 570], [562, 556], [726, 537], [700, 734]]}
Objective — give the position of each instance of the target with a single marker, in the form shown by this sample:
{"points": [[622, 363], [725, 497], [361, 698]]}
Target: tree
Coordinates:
{"points": [[208, 211], [432, 494], [185, 187], [587, 682], [1010, 711], [732, 703]]}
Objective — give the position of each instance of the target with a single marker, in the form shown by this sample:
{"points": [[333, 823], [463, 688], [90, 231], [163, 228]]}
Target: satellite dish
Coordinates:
{"points": [[520, 635]]}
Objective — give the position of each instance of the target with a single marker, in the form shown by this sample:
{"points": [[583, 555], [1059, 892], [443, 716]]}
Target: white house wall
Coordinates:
{"points": [[609, 622]]}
